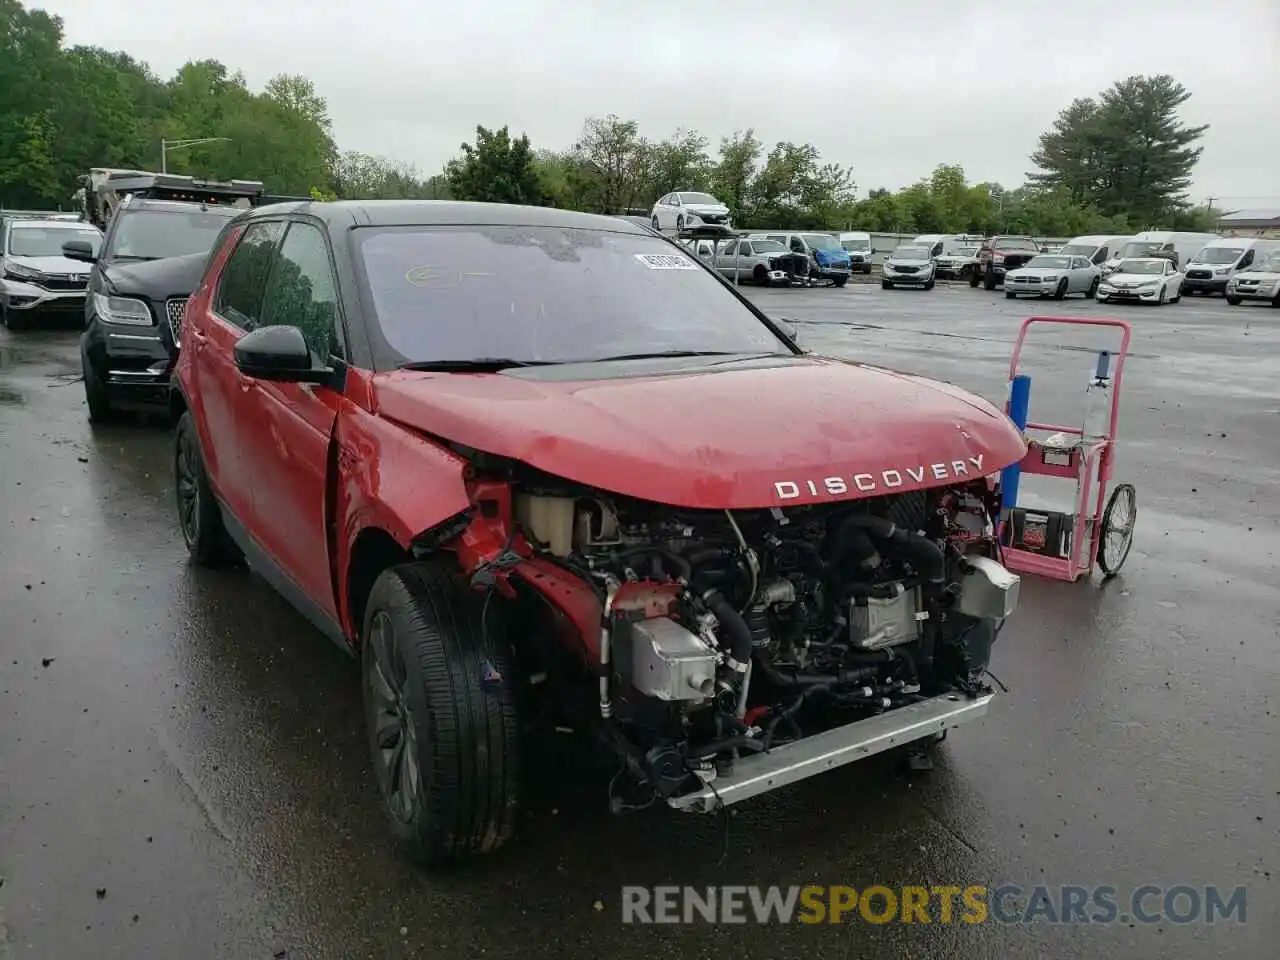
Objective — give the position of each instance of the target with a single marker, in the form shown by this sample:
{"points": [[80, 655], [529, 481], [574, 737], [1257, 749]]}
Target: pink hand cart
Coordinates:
{"points": [[1057, 544]]}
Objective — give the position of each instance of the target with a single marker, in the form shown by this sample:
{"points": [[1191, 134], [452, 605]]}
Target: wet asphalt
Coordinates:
{"points": [[183, 769]]}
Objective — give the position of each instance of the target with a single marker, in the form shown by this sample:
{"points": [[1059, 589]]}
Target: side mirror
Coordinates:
{"points": [[79, 250], [277, 353]]}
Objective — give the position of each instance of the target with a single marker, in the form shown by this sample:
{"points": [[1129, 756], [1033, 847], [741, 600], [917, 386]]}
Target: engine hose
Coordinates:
{"points": [[734, 625], [729, 743], [925, 555], [789, 679], [683, 565]]}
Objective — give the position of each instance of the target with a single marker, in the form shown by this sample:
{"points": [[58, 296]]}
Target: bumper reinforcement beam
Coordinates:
{"points": [[793, 762]]}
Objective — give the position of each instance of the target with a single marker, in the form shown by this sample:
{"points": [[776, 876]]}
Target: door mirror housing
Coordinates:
{"points": [[79, 250], [278, 353]]}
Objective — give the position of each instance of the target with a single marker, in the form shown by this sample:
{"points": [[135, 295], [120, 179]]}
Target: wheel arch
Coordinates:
{"points": [[373, 551]]}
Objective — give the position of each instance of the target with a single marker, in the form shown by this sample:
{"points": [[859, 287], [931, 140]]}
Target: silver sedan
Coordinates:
{"points": [[1053, 275]]}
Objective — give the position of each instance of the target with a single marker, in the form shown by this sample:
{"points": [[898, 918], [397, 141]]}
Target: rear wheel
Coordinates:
{"points": [[440, 707], [199, 516], [989, 280], [974, 277]]}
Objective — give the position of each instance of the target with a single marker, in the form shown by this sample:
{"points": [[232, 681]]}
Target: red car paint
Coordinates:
{"points": [[719, 439], [309, 473]]}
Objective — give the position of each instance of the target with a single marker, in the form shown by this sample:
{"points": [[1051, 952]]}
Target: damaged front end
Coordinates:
{"points": [[723, 654]]}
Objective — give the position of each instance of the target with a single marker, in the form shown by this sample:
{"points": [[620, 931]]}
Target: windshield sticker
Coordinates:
{"points": [[666, 261], [430, 277]]}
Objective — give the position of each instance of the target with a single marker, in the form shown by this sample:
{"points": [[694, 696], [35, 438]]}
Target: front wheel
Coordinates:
{"points": [[840, 281], [1236, 301], [440, 706], [929, 284], [1009, 295], [989, 280], [1093, 290], [1115, 538], [886, 285], [974, 278], [95, 392], [656, 225], [1061, 292]]}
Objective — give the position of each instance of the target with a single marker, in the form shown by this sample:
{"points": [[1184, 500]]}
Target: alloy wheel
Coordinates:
{"points": [[395, 737]]}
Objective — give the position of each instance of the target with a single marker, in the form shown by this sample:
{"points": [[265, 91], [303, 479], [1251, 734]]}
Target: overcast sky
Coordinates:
{"points": [[889, 88]]}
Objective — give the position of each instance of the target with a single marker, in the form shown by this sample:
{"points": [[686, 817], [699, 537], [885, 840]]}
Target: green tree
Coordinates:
{"points": [[497, 169], [1125, 153], [733, 175], [612, 164]]}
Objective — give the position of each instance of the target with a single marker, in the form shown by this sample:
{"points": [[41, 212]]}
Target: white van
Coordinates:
{"points": [[1220, 260], [858, 246], [1098, 249], [1178, 247]]}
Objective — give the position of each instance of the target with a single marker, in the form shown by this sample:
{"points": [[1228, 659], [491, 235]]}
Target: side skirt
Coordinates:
{"points": [[262, 564]]}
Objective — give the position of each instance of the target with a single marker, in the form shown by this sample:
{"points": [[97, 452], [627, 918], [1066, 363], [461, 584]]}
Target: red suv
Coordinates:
{"points": [[537, 466]]}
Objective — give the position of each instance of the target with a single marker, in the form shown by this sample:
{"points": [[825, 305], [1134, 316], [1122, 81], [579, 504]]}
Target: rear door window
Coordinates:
{"points": [[244, 279]]}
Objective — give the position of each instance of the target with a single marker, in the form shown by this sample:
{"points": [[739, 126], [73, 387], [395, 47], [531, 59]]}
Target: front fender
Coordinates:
{"points": [[391, 479]]}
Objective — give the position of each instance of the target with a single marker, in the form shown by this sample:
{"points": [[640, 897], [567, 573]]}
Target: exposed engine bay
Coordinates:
{"points": [[726, 634]]}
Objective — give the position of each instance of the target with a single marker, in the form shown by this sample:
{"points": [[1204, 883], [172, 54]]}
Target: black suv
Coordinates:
{"points": [[152, 258]]}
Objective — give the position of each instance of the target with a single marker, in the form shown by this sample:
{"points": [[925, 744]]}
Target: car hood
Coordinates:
{"points": [[755, 435], [715, 209], [55, 264], [892, 262], [1264, 276], [1133, 278], [157, 279]]}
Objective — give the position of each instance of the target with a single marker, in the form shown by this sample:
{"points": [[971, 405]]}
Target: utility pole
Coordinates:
{"points": [[167, 145]]}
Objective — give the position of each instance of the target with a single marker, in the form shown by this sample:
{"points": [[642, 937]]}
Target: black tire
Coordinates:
{"points": [[13, 319], [929, 284], [1122, 497], [989, 280], [760, 275], [1275, 301], [679, 223], [1009, 294], [439, 695], [199, 516], [656, 225], [840, 281], [1093, 290], [1060, 292], [974, 278], [886, 285], [95, 393], [1234, 301]]}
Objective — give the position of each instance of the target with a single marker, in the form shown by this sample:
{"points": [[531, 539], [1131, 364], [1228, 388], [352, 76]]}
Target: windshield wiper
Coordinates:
{"points": [[132, 258], [659, 354], [474, 365]]}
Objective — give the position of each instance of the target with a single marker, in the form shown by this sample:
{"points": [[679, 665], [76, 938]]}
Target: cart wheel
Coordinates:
{"points": [[1117, 529]]}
